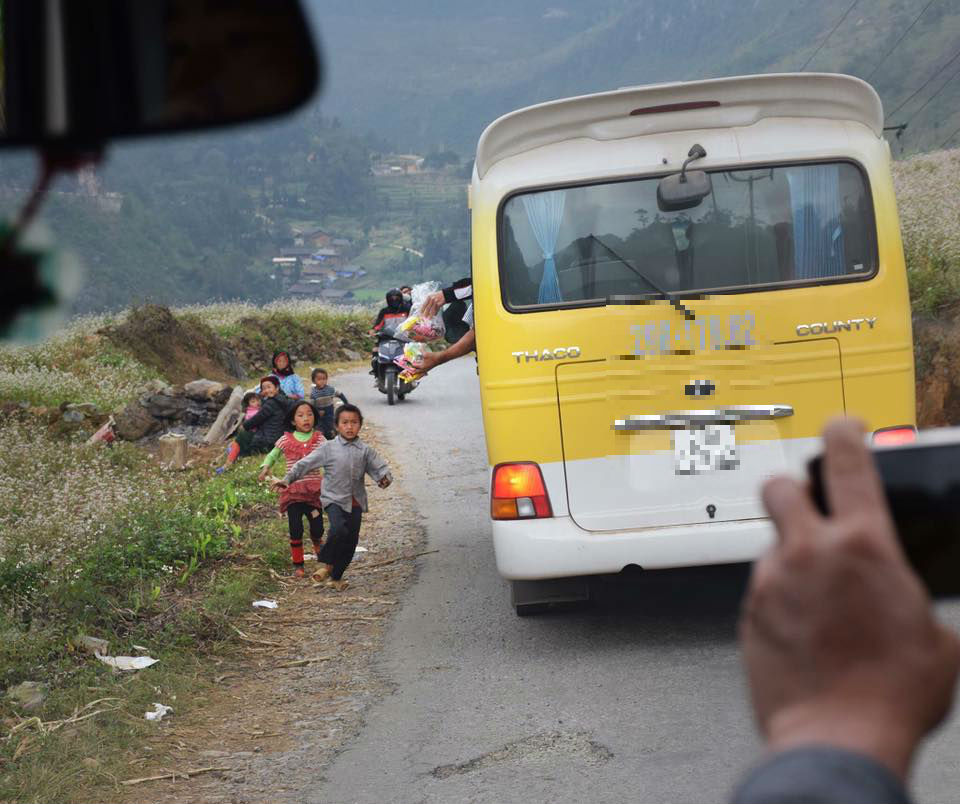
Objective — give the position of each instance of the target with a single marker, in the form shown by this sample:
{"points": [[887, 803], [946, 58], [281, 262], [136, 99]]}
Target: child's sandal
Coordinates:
{"points": [[298, 572], [321, 574], [339, 586]]}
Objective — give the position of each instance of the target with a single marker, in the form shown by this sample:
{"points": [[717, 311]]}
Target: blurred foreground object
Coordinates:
{"points": [[76, 74], [40, 284], [86, 71]]}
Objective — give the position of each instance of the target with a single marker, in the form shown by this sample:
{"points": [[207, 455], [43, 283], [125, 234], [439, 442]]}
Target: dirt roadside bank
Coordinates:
{"points": [[289, 700]]}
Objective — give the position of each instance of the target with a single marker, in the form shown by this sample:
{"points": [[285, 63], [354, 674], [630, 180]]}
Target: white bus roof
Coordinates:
{"points": [[712, 103]]}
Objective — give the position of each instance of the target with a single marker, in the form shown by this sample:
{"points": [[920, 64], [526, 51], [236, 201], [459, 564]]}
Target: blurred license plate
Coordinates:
{"points": [[710, 448]]}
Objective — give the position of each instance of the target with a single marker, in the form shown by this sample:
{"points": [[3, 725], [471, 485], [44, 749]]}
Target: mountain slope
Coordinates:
{"points": [[436, 75]]}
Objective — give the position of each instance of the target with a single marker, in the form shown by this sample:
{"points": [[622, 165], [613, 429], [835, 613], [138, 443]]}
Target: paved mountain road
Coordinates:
{"points": [[640, 698]]}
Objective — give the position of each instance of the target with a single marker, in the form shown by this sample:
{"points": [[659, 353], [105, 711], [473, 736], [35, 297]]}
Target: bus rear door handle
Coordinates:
{"points": [[679, 419]]}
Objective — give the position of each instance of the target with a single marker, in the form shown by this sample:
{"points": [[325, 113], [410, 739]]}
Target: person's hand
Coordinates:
{"points": [[263, 474], [432, 304], [384, 482], [839, 640], [277, 484], [427, 361]]}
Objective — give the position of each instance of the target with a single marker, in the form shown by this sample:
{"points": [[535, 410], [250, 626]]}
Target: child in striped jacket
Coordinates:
{"points": [[301, 499]]}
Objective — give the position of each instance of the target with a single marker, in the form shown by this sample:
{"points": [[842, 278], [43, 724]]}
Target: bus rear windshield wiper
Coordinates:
{"points": [[665, 295]]}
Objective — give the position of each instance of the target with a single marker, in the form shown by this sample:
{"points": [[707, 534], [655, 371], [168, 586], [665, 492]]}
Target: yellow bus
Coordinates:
{"points": [[675, 287]]}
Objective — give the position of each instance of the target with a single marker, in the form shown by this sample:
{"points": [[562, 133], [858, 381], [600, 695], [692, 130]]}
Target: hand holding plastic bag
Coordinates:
{"points": [[417, 327], [409, 360]]}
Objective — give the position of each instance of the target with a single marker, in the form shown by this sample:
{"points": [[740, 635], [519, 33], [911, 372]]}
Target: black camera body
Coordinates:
{"points": [[922, 484]]}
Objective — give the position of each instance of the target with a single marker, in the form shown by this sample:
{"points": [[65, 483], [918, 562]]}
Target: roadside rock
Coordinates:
{"points": [[351, 355], [85, 409], [28, 695], [166, 406], [203, 390], [155, 387], [134, 422], [229, 359]]}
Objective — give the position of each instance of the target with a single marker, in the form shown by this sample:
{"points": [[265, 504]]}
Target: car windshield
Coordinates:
{"points": [[765, 226]]}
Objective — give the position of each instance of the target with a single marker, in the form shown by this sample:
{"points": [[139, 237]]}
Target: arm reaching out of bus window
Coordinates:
{"points": [[461, 290], [462, 347], [848, 668]]}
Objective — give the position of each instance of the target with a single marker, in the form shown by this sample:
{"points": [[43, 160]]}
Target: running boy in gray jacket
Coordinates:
{"points": [[344, 460]]}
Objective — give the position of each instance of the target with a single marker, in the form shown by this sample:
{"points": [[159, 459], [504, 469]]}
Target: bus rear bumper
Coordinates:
{"points": [[556, 548]]}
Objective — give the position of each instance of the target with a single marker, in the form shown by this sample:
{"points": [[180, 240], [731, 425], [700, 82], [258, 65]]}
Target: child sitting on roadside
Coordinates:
{"points": [[345, 460], [251, 404], [302, 498], [251, 407], [322, 396]]}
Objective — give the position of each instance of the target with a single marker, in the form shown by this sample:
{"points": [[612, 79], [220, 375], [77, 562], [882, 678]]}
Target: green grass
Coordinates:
{"points": [[934, 283], [172, 578], [103, 542]]}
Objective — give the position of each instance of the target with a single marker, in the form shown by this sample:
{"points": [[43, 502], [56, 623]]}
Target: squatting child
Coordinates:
{"points": [[302, 498], [251, 407], [345, 461], [322, 396]]}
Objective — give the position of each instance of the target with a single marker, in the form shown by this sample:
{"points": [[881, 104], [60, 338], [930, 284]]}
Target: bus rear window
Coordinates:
{"points": [[759, 227]]}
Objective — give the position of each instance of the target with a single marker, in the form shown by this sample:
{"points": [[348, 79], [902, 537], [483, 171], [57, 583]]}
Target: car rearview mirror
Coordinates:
{"points": [[81, 72], [683, 190]]}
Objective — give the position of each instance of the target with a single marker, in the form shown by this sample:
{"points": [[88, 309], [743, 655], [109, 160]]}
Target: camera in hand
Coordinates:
{"points": [[922, 486]]}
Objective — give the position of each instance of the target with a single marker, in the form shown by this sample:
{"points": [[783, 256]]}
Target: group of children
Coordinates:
{"points": [[326, 463]]}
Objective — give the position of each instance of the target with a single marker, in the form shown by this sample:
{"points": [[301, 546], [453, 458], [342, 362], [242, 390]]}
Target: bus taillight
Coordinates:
{"points": [[518, 492], [895, 436]]}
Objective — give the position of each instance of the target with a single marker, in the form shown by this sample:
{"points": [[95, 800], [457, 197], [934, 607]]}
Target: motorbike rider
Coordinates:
{"points": [[395, 309]]}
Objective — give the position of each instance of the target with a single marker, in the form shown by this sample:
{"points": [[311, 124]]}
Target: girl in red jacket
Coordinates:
{"points": [[300, 499]]}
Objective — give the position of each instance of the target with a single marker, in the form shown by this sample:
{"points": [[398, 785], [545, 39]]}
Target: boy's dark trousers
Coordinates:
{"points": [[326, 423], [342, 541]]}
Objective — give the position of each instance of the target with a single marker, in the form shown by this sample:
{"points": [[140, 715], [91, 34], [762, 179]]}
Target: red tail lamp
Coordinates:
{"points": [[895, 436], [518, 492]]}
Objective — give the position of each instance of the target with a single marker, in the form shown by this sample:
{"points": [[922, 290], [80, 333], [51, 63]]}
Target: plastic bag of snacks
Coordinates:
{"points": [[416, 327], [409, 360]]}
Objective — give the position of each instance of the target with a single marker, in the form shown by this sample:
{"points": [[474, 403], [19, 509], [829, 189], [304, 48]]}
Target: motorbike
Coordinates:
{"points": [[387, 372]]}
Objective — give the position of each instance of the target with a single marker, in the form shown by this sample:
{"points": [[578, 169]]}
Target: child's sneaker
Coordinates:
{"points": [[298, 572], [338, 586]]}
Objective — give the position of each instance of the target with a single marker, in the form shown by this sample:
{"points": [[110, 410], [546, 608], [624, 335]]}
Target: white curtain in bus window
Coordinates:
{"points": [[817, 233], [545, 213]]}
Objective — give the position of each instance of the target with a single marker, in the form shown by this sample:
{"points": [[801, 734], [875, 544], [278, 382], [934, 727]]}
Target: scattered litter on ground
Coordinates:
{"points": [[105, 434], [140, 648], [362, 550], [127, 662], [254, 708], [159, 710], [265, 604]]}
